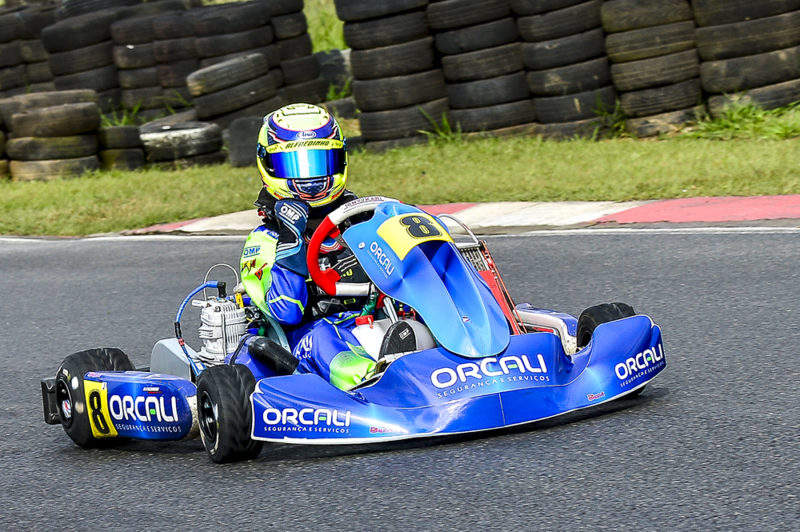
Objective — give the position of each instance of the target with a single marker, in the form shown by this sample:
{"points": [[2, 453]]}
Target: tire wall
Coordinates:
{"points": [[658, 65], [567, 68], [749, 52], [654, 64], [397, 83]]}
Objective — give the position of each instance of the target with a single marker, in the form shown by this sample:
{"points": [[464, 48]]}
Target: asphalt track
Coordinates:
{"points": [[711, 444]]}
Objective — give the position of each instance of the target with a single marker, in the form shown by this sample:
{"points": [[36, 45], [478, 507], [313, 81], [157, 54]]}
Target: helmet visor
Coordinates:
{"points": [[304, 162]]}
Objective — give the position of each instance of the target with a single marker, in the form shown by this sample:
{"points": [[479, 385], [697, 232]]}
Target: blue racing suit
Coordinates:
{"points": [[319, 329]]}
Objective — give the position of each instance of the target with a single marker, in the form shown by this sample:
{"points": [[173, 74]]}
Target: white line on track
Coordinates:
{"points": [[666, 231], [533, 232]]}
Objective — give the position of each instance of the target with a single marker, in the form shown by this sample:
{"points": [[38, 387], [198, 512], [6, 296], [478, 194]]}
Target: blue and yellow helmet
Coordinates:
{"points": [[302, 154]]}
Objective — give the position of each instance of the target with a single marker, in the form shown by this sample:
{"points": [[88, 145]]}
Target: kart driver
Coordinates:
{"points": [[302, 158]]}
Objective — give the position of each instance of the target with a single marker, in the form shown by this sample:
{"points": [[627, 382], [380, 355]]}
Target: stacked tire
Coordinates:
{"points": [[396, 83], [136, 67], [134, 56], [12, 67], [54, 142], [176, 57], [30, 23], [242, 86], [74, 8], [80, 55], [567, 70], [302, 78], [240, 76], [655, 66], [750, 52], [182, 145], [482, 65], [120, 148]]}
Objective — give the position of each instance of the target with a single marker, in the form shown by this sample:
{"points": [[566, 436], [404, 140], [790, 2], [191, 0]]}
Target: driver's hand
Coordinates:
{"points": [[292, 218]]}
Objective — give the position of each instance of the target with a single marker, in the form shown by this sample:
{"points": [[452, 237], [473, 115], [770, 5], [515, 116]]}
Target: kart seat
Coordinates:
{"points": [[399, 338]]}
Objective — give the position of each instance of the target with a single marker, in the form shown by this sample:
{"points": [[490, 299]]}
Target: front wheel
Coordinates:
{"points": [[73, 410], [225, 413], [598, 314], [594, 316]]}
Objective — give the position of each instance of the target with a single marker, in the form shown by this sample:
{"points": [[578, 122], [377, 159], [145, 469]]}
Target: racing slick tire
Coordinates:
{"points": [[225, 413], [594, 316], [73, 411]]}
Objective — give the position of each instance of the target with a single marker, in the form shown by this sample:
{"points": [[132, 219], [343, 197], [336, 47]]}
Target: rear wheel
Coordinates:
{"points": [[71, 397], [225, 413]]}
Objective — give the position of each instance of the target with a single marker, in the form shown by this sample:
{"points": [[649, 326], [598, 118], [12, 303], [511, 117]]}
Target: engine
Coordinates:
{"points": [[222, 325]]}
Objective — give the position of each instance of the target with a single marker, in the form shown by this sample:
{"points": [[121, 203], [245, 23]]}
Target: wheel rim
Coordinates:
{"points": [[209, 413], [64, 401]]}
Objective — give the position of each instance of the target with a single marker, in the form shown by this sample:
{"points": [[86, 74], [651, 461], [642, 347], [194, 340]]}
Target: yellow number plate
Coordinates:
{"points": [[406, 231], [97, 409]]}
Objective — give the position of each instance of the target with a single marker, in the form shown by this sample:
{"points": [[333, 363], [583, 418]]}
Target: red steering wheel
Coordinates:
{"points": [[329, 279]]}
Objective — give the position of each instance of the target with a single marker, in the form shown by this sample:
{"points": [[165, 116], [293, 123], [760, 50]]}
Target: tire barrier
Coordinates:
{"points": [[239, 74], [12, 67], [302, 76], [30, 22], [241, 133], [396, 83], [25, 168], [176, 56], [750, 52], [499, 66], [482, 64], [567, 70], [120, 148], [183, 145], [80, 49], [655, 66], [242, 86], [54, 141]]}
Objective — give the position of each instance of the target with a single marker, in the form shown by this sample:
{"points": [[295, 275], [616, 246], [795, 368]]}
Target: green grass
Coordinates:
{"points": [[490, 169], [324, 26], [751, 122]]}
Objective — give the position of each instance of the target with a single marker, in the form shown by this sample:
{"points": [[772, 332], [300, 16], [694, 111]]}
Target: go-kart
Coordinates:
{"points": [[453, 354]]}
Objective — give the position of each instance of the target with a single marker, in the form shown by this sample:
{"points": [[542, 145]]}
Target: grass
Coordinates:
{"points": [[442, 171], [752, 122], [324, 26]]}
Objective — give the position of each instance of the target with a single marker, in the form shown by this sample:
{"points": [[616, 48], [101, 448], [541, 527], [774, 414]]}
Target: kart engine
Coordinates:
{"points": [[222, 325]]}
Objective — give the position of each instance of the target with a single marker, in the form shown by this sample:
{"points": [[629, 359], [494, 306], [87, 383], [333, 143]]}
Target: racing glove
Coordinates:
{"points": [[291, 251]]}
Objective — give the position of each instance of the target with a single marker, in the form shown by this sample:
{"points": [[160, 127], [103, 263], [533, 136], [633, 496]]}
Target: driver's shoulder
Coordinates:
{"points": [[264, 231]]}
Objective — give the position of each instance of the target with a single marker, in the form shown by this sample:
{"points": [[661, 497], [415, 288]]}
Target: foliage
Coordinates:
{"points": [[120, 117], [337, 93], [481, 169], [749, 121], [443, 131], [324, 26]]}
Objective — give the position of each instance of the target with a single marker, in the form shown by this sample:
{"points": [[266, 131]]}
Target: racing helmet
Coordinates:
{"points": [[301, 154]]}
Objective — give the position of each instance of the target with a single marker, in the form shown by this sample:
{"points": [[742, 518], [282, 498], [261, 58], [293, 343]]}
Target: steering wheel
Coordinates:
{"points": [[329, 280]]}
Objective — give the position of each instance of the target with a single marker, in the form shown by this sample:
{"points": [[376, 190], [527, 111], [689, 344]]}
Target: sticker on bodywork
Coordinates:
{"points": [[406, 231]]}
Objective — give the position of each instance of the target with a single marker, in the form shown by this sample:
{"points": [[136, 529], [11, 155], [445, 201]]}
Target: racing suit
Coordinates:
{"points": [[318, 328]]}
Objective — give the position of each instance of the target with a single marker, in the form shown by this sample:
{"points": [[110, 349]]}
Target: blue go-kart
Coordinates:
{"points": [[453, 353]]}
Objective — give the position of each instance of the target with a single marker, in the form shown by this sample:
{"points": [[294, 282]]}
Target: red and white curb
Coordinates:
{"points": [[504, 216]]}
